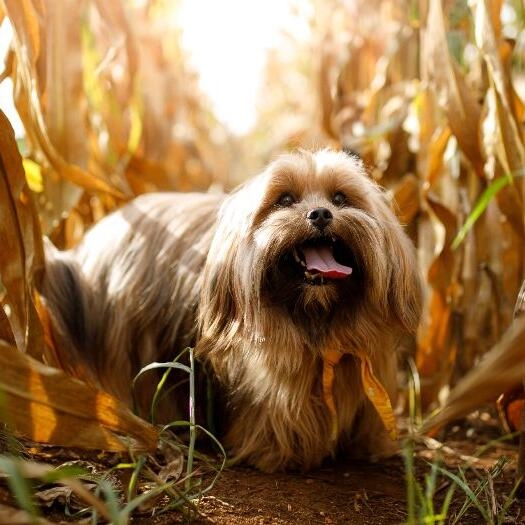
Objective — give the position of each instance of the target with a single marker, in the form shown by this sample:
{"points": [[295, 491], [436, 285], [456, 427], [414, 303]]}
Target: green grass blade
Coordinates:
{"points": [[132, 485], [193, 431], [410, 481], [19, 485], [128, 509], [446, 504], [157, 394], [64, 472], [156, 366], [112, 502], [218, 469], [480, 207], [509, 500], [471, 495], [430, 488], [414, 395]]}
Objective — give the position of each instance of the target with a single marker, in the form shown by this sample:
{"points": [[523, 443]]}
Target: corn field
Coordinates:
{"points": [[431, 94]]}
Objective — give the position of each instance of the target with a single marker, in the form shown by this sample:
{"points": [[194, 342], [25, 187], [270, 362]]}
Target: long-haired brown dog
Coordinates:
{"points": [[305, 259]]}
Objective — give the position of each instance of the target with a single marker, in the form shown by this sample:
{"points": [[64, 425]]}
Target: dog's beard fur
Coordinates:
{"points": [[225, 274]]}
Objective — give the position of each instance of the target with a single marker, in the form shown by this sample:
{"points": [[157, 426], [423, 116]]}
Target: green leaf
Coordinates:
{"points": [[480, 207], [471, 495], [19, 485]]}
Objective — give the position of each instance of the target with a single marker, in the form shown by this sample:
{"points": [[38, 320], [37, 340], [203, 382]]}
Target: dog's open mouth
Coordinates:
{"points": [[323, 260]]}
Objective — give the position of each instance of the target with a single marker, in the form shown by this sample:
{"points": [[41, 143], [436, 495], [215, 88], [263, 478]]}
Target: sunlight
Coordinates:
{"points": [[227, 43], [6, 86]]}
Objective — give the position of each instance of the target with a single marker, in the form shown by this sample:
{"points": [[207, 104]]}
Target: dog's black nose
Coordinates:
{"points": [[320, 217]]}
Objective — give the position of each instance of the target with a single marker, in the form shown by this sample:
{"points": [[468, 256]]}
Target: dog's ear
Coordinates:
{"points": [[405, 290], [221, 291]]}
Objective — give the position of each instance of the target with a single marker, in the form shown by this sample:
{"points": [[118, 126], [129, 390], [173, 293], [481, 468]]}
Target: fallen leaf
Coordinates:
{"points": [[47, 406]]}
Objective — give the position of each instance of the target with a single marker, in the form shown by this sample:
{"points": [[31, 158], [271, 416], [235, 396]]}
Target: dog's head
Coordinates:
{"points": [[313, 238]]}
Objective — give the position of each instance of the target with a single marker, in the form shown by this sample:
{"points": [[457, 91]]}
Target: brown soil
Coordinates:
{"points": [[342, 492]]}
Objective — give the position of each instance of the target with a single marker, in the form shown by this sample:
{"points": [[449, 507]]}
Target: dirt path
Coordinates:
{"points": [[347, 492], [342, 492]]}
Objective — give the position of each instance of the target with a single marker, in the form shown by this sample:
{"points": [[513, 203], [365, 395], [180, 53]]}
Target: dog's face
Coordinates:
{"points": [[314, 237]]}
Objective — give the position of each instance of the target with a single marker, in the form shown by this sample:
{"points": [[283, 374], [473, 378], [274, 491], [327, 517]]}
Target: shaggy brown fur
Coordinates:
{"points": [[225, 274]]}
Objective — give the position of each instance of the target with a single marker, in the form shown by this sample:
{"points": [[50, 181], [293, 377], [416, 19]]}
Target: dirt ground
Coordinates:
{"points": [[355, 493], [341, 492]]}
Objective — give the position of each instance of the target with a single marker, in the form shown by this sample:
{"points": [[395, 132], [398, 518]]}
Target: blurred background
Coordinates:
{"points": [[110, 99]]}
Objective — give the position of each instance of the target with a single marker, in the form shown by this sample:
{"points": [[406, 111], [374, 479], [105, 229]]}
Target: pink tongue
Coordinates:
{"points": [[321, 259]]}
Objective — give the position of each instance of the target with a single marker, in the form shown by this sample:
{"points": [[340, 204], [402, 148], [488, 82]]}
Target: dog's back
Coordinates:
{"points": [[111, 311]]}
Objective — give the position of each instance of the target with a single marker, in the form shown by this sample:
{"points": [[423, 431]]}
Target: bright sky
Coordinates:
{"points": [[227, 42]]}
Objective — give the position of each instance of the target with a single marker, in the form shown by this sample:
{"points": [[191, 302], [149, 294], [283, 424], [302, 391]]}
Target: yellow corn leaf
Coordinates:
{"points": [[374, 390], [330, 360], [33, 173], [378, 396], [47, 406], [135, 131]]}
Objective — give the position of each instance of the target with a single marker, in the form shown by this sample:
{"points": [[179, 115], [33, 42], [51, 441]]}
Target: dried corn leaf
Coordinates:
{"points": [[440, 273], [511, 151], [456, 98], [47, 406], [436, 152], [53, 127], [21, 255], [328, 57], [500, 370], [406, 198]]}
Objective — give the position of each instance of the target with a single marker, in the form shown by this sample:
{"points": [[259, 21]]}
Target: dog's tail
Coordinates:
{"points": [[66, 302]]}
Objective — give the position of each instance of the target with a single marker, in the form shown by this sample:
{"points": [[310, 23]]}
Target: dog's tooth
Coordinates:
{"points": [[298, 259]]}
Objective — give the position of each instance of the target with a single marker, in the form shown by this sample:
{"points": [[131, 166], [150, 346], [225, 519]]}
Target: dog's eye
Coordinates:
{"points": [[286, 200], [339, 199]]}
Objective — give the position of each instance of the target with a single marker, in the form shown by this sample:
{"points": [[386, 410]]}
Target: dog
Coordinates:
{"points": [[295, 291]]}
